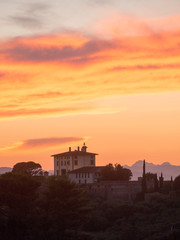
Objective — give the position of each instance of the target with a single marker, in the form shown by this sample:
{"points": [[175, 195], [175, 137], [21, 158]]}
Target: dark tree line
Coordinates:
{"points": [[116, 172], [39, 208]]}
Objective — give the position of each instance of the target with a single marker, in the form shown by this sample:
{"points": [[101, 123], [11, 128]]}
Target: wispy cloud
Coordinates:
{"points": [[117, 24], [49, 142], [2, 75], [26, 52], [27, 22], [34, 111], [147, 67], [30, 15], [41, 143], [100, 2], [37, 7]]}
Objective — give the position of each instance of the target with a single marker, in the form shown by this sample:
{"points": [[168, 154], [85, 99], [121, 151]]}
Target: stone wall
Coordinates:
{"points": [[122, 190]]}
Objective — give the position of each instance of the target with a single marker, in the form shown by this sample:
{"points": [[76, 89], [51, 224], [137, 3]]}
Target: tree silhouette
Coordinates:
{"points": [[116, 172], [176, 185], [62, 210], [107, 172], [17, 201], [144, 184], [29, 168]]}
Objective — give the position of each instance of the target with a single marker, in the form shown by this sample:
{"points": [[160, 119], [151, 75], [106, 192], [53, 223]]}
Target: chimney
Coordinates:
{"points": [[69, 149], [78, 148]]}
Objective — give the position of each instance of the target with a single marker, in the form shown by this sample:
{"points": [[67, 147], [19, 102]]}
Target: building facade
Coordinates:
{"points": [[72, 160], [85, 175]]}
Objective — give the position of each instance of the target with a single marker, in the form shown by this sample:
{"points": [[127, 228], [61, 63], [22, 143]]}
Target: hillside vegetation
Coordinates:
{"points": [[39, 208]]}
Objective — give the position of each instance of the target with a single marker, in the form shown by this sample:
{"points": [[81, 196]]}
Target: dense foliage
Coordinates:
{"points": [[177, 185], [158, 219], [18, 194], [38, 208], [116, 172], [28, 168]]}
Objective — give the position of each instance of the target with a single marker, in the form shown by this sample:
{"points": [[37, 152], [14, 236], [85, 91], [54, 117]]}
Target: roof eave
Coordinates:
{"points": [[69, 153]]}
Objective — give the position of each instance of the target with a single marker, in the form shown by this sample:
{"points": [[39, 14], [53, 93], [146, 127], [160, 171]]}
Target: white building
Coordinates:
{"points": [[85, 175], [71, 160]]}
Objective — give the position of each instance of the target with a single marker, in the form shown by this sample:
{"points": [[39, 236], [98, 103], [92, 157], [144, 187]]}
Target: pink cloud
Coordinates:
{"points": [[25, 52]]}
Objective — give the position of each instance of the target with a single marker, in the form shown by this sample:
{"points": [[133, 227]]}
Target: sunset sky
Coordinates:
{"points": [[104, 72]]}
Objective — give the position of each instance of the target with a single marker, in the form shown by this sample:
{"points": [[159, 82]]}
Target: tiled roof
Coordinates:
{"points": [[86, 169], [74, 153]]}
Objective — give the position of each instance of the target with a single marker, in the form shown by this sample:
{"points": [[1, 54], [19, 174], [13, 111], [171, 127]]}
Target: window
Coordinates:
{"points": [[76, 162], [61, 163], [79, 181], [68, 163], [92, 156], [76, 175], [57, 163], [75, 157], [82, 175], [64, 163], [92, 162]]}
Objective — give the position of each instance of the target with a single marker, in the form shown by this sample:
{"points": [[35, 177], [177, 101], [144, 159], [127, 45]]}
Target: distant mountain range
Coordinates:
{"points": [[5, 169], [166, 168]]}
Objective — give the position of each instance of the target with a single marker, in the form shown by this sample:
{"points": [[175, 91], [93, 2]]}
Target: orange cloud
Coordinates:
{"points": [[66, 74]]}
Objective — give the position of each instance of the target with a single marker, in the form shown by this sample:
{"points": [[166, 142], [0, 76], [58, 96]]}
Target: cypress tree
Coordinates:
{"points": [[144, 184]]}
